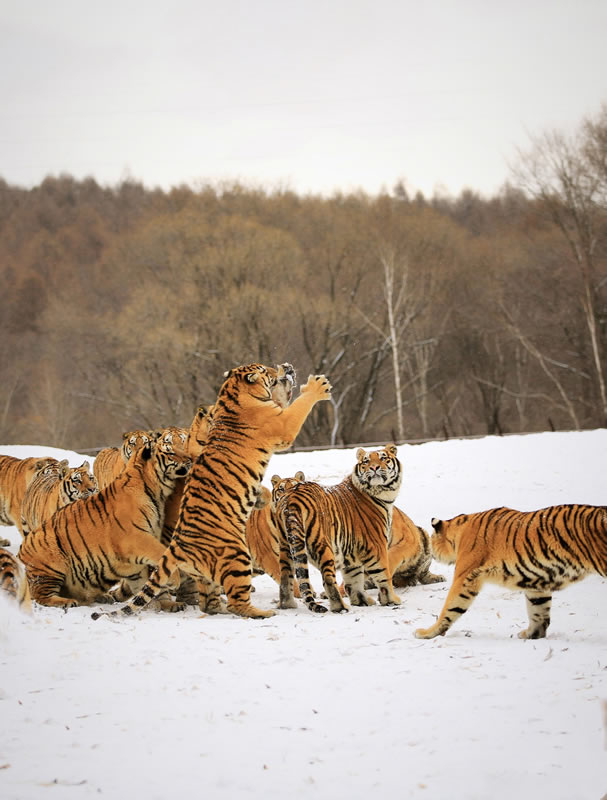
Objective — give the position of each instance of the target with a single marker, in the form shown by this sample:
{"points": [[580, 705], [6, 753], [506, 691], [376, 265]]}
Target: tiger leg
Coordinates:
{"points": [[188, 592], [461, 595], [538, 611], [354, 583], [286, 593], [210, 599], [237, 586], [326, 564]]}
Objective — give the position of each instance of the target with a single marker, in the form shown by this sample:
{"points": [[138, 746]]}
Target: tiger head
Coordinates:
{"points": [[54, 467], [282, 486], [133, 440], [171, 464], [171, 437], [259, 382], [378, 473], [446, 537], [80, 482]]}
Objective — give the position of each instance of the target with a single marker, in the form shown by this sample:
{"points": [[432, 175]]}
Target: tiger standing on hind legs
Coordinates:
{"points": [[209, 543]]}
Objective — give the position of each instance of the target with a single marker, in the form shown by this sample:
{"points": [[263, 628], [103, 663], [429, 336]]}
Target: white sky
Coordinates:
{"points": [[315, 95]]}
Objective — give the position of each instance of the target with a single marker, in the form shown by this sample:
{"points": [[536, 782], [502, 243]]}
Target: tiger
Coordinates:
{"points": [[15, 476], [209, 544], [52, 488], [409, 553], [13, 580], [536, 552], [78, 555], [110, 461], [342, 527]]}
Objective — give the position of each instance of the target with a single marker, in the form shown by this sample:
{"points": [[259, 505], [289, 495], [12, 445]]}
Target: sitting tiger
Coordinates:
{"points": [[409, 553], [85, 548], [537, 552], [342, 527], [209, 541], [13, 580], [53, 487], [15, 476], [110, 461]]}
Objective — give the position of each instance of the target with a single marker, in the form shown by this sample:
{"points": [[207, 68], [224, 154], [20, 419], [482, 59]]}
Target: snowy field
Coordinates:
{"points": [[334, 706]]}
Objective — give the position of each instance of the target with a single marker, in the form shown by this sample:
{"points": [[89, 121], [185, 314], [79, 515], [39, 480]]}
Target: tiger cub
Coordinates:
{"points": [[53, 487], [13, 580], [110, 461], [342, 527], [85, 548], [15, 476], [209, 541], [537, 552]]}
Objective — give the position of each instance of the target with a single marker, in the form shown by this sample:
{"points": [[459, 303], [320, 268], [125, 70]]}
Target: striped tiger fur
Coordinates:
{"points": [[110, 461], [85, 548], [53, 487], [209, 540], [342, 527], [15, 476], [13, 580], [536, 552], [409, 553]]}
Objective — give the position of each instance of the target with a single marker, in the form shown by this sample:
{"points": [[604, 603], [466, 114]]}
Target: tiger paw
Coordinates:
{"points": [[427, 633], [319, 385]]}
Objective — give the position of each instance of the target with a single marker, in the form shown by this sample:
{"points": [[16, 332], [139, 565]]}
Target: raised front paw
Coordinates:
{"points": [[319, 385]]}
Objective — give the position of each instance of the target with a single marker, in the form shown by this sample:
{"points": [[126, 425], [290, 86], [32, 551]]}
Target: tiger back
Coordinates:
{"points": [[15, 476], [13, 581], [85, 548], [42, 496], [342, 527], [110, 461], [536, 552], [209, 541]]}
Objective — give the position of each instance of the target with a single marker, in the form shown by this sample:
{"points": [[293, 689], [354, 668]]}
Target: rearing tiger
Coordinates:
{"points": [[341, 527], [209, 541], [537, 552]]}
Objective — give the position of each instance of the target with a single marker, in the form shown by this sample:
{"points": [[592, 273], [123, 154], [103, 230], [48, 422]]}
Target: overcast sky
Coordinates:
{"points": [[312, 95]]}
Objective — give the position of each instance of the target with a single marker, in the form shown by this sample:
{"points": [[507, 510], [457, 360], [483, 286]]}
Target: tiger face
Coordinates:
{"points": [[82, 483], [260, 381], [133, 440], [377, 472], [170, 438]]}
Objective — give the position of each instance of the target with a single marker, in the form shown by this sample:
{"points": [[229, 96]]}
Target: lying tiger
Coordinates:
{"points": [[209, 543], [79, 554], [536, 552], [15, 476], [342, 527], [13, 580], [54, 487]]}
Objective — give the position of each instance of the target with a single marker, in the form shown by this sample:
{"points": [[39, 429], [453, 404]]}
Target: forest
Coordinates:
{"points": [[122, 306]]}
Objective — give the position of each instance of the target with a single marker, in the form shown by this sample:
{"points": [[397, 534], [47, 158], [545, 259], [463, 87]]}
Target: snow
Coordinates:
{"points": [[327, 706]]}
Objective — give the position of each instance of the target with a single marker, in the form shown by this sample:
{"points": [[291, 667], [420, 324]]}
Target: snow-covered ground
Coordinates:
{"points": [[334, 706]]}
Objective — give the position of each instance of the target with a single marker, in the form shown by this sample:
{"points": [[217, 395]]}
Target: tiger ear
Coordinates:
{"points": [[125, 435], [252, 377], [360, 454], [275, 479], [436, 523], [391, 449], [299, 476], [85, 465]]}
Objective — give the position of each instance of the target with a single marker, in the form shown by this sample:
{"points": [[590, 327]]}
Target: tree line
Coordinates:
{"points": [[433, 317]]}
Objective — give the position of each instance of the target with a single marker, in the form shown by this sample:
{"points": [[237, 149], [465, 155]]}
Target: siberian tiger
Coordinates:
{"points": [[85, 548], [13, 580], [15, 477], [537, 552], [409, 553], [342, 527], [111, 460], [53, 487], [209, 540]]}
